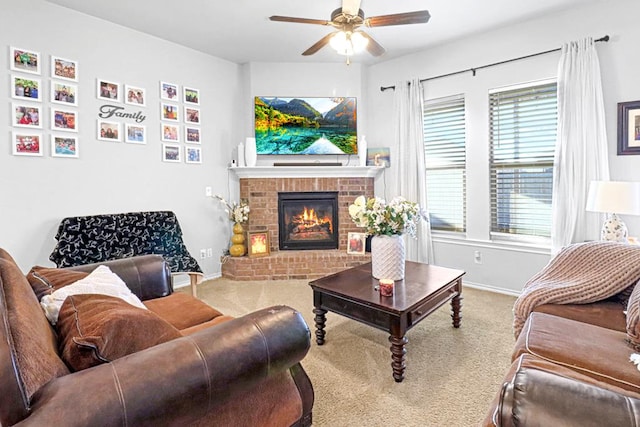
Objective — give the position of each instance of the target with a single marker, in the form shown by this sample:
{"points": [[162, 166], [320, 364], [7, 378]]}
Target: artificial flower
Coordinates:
{"points": [[381, 218]]}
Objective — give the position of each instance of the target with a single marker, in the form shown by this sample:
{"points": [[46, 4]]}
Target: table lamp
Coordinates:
{"points": [[614, 197]]}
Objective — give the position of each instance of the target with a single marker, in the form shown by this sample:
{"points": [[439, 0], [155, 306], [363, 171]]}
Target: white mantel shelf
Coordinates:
{"points": [[307, 171]]}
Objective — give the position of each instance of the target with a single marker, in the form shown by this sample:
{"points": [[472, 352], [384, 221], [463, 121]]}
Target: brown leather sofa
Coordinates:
{"points": [[219, 371], [570, 368]]}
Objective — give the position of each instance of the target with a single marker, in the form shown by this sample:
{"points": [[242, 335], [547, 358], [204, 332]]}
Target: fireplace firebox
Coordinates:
{"points": [[308, 220]]}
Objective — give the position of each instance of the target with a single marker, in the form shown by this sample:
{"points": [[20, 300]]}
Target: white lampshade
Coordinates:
{"points": [[614, 197], [348, 43]]}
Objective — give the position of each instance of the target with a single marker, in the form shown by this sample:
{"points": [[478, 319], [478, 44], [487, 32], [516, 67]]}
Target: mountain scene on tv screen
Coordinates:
{"points": [[305, 125]]}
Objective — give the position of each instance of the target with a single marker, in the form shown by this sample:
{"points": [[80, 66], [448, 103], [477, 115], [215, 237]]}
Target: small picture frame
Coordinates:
{"points": [[135, 133], [169, 112], [108, 131], [27, 144], [628, 128], [64, 120], [192, 135], [26, 116], [108, 90], [192, 115], [169, 132], [26, 88], [191, 96], [26, 61], [169, 91], [134, 95], [171, 153], [64, 146], [356, 243], [192, 154], [64, 93], [258, 244], [379, 156], [65, 69]]}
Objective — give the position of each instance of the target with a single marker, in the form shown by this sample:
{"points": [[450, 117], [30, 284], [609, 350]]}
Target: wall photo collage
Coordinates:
{"points": [[175, 110]]}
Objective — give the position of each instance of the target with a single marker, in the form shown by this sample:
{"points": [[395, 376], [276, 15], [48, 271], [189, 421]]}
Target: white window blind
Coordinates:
{"points": [[444, 142], [523, 130]]}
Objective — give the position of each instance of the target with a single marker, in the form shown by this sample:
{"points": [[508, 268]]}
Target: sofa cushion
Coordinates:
{"points": [[182, 310], [607, 314], [633, 319], [594, 351], [95, 329], [45, 280]]}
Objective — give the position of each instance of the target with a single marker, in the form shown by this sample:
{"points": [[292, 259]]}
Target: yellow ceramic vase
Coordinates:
{"points": [[237, 241]]}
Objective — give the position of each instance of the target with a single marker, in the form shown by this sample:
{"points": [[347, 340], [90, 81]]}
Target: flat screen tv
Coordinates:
{"points": [[317, 125]]}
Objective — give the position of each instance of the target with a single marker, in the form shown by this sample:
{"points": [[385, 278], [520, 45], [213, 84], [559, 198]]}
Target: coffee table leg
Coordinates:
{"points": [[398, 359], [456, 307], [320, 319]]}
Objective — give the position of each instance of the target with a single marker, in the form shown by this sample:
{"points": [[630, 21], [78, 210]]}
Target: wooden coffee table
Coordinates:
{"points": [[354, 293]]}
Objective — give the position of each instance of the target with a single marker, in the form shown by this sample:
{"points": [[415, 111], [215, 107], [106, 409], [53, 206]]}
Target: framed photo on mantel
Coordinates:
{"points": [[628, 128]]}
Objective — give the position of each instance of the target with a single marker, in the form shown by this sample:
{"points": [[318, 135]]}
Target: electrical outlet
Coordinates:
{"points": [[203, 253], [208, 191], [477, 257], [209, 252]]}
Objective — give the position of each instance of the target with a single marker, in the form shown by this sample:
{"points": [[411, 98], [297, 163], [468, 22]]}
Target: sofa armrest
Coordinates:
{"points": [[180, 381], [540, 398], [147, 276]]}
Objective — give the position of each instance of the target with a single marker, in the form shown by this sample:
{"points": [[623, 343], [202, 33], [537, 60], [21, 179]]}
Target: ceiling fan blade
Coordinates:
{"points": [[350, 7], [418, 17], [373, 46], [319, 44], [298, 20]]}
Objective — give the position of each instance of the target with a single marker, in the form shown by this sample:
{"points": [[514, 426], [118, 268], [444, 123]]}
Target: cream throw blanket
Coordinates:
{"points": [[579, 274]]}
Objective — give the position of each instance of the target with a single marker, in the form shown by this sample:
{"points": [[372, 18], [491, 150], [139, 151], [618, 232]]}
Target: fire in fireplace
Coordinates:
{"points": [[308, 220]]}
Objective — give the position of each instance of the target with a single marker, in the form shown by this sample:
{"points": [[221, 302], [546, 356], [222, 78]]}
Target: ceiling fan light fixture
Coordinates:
{"points": [[348, 43]]}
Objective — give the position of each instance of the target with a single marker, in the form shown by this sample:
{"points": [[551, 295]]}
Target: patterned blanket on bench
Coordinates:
{"points": [[97, 238], [579, 274]]}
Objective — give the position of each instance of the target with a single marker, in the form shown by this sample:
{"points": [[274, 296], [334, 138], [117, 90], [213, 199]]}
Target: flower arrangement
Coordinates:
{"points": [[238, 212], [381, 218]]}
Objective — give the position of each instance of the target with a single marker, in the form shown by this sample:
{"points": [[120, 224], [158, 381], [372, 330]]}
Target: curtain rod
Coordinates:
{"points": [[473, 70]]}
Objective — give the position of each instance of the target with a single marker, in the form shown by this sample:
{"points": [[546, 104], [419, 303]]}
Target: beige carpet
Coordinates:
{"points": [[451, 377]]}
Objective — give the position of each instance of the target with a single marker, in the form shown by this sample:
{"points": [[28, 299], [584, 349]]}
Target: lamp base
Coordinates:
{"points": [[614, 230]]}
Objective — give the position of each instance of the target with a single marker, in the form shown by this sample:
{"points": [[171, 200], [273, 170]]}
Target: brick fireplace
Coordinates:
{"points": [[261, 185]]}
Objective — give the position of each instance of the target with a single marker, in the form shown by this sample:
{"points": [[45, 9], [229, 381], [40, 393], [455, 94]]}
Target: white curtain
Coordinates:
{"points": [[409, 168], [581, 148]]}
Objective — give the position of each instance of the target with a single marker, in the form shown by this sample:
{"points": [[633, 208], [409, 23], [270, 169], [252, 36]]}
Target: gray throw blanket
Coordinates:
{"points": [[579, 274]]}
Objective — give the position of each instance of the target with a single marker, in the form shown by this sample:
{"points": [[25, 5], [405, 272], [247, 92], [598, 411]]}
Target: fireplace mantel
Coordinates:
{"points": [[307, 171]]}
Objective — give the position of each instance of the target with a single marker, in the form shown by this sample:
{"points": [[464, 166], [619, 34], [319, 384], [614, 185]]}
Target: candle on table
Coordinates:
{"points": [[386, 287]]}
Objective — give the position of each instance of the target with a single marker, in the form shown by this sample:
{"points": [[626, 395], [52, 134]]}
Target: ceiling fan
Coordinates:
{"points": [[348, 39]]}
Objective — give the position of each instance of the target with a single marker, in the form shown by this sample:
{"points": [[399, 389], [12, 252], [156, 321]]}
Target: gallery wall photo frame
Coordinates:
{"points": [[64, 93], [64, 146], [192, 135], [191, 115], [108, 131], [169, 132], [629, 128], [65, 69], [108, 90], [26, 143], [135, 133], [24, 60], [135, 95], [193, 154], [171, 153], [356, 243], [169, 91], [64, 120], [26, 115], [169, 112], [191, 95], [258, 244], [26, 88]]}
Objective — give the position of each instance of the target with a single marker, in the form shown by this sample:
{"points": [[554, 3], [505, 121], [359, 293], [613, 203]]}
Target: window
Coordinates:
{"points": [[522, 136], [444, 144]]}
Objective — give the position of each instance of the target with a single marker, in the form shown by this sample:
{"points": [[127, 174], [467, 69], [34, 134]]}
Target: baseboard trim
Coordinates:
{"points": [[482, 287], [184, 283]]}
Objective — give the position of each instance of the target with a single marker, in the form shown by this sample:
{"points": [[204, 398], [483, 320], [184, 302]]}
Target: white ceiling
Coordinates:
{"points": [[240, 31]]}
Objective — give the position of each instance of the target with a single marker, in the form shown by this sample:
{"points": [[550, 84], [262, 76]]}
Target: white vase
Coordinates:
{"points": [[362, 151], [241, 162], [387, 257], [250, 154]]}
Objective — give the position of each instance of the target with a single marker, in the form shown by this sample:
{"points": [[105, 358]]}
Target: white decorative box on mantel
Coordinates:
{"points": [[307, 171]]}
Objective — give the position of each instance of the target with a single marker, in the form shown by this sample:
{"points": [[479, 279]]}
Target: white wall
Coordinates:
{"points": [[35, 193], [507, 267]]}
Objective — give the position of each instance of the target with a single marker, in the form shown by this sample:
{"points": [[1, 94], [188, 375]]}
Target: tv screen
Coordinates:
{"points": [[317, 125]]}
